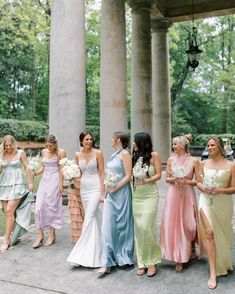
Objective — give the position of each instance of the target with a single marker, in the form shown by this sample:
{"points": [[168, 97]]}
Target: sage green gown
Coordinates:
{"points": [[218, 212], [145, 204]]}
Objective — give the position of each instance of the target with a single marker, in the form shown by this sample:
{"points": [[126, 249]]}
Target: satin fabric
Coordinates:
{"points": [[88, 249], [117, 225], [48, 208], [145, 204], [219, 214], [12, 183], [180, 220]]}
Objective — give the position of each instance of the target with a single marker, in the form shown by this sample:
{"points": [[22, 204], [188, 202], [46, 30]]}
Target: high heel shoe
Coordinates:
{"points": [[49, 241], [5, 246], [103, 271], [38, 243]]}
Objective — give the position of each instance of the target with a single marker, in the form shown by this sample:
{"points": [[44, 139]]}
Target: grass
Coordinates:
{"points": [[2, 216]]}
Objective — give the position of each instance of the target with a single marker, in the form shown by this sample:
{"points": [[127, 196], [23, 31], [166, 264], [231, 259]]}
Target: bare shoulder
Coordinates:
{"points": [[195, 160], [98, 152], [155, 155], [62, 153], [125, 154]]}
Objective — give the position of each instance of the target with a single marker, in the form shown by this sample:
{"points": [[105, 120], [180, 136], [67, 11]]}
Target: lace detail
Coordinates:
{"points": [[89, 168]]}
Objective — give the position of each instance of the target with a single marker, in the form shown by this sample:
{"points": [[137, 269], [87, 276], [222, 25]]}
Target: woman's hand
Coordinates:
{"points": [[61, 189], [181, 181], [139, 182], [30, 187]]}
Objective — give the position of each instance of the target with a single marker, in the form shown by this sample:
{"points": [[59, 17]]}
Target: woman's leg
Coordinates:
{"points": [[38, 241], [9, 210], [51, 238], [211, 250]]}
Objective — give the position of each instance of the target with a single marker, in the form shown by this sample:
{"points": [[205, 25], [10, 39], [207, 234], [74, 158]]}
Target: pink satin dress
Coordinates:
{"points": [[180, 221]]}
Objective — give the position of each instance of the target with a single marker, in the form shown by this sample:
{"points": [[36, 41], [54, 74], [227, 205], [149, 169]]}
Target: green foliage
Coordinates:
{"points": [[202, 139], [24, 38], [24, 130]]}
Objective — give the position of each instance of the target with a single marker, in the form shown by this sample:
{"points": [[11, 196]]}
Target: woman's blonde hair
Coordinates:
{"points": [[184, 141], [13, 142]]}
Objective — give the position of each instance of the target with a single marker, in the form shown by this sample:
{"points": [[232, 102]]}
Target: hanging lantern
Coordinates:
{"points": [[193, 51]]}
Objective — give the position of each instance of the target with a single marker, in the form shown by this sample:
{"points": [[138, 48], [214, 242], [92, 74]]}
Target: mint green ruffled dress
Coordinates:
{"points": [[145, 204], [12, 182]]}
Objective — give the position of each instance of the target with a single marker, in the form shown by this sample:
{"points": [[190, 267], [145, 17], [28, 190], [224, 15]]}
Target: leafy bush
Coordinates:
{"points": [[202, 139], [24, 130]]}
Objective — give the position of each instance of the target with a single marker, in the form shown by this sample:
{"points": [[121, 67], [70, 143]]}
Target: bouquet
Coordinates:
{"points": [[110, 179], [210, 182], [70, 170], [140, 170], [179, 172], [34, 162]]}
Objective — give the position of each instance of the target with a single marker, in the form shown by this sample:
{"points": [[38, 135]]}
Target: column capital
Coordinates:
{"points": [[161, 23], [140, 5]]}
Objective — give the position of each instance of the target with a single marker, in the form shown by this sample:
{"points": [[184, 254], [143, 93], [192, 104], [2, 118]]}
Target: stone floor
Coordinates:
{"points": [[45, 270]]}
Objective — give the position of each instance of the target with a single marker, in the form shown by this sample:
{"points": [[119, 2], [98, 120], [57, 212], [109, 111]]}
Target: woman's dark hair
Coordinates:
{"points": [[124, 138], [83, 135], [144, 146]]}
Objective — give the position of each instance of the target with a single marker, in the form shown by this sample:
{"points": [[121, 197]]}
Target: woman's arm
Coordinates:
{"points": [[156, 161], [169, 178], [199, 177], [100, 163], [193, 182], [23, 159], [127, 163], [61, 155]]}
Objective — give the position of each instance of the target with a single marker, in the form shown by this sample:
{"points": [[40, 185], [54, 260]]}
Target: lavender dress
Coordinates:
{"points": [[48, 210]]}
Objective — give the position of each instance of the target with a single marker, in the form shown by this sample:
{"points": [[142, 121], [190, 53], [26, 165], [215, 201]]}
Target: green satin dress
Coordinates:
{"points": [[145, 204]]}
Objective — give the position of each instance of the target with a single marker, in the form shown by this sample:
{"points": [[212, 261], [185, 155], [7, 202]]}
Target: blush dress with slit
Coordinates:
{"points": [[180, 220]]}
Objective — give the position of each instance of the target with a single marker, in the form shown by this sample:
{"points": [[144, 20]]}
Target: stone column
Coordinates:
{"points": [[67, 73], [161, 122], [113, 76], [141, 102]]}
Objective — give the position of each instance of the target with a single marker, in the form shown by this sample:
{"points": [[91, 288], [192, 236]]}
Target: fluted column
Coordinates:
{"points": [[141, 102], [113, 77], [67, 72], [161, 123]]}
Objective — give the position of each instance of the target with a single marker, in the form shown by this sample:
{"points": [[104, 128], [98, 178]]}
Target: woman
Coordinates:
{"points": [[12, 184], [88, 249], [117, 225], [48, 208], [145, 203], [216, 180], [180, 221]]}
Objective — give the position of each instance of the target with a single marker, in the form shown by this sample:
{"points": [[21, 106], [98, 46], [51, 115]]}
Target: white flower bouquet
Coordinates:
{"points": [[210, 182], [179, 172], [70, 170], [110, 179], [34, 162], [140, 170]]}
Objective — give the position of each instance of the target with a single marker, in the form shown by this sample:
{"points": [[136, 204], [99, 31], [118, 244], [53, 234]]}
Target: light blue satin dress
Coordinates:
{"points": [[117, 225]]}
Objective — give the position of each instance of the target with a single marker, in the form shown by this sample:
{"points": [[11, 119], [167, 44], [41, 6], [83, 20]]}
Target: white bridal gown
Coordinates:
{"points": [[88, 249]]}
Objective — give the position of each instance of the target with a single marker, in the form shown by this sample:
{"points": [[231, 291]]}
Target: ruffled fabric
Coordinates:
{"points": [[76, 212]]}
